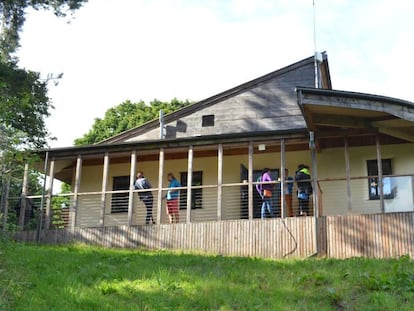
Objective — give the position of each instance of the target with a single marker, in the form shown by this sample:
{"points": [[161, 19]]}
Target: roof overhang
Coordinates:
{"points": [[174, 148], [331, 113]]}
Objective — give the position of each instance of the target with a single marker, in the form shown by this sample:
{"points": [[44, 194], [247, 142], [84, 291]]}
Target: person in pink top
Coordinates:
{"points": [[265, 191]]}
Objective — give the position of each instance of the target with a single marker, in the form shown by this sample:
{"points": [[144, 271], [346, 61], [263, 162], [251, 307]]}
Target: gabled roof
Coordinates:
{"points": [[226, 97]]}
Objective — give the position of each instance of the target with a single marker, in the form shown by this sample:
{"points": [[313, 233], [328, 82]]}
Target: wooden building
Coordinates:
{"points": [[359, 147]]}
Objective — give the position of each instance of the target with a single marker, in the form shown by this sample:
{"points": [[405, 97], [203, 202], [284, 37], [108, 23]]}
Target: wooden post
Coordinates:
{"points": [[5, 200], [23, 204], [40, 224], [189, 181], [315, 197], [131, 187], [315, 183], [219, 181], [283, 178], [49, 195], [348, 175], [75, 206], [104, 186], [379, 163], [250, 190], [160, 178]]}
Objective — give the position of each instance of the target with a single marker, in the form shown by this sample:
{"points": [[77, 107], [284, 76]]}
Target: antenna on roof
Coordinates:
{"points": [[316, 55]]}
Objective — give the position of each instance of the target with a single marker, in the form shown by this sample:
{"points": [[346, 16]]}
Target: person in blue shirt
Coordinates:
{"points": [[172, 199]]}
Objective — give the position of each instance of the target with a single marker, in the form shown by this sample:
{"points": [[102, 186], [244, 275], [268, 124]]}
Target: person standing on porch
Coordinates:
{"points": [[142, 183], [265, 191], [288, 193], [302, 178], [172, 199]]}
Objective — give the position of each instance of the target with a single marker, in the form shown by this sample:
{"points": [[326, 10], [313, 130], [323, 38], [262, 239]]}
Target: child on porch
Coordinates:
{"points": [[172, 199]]}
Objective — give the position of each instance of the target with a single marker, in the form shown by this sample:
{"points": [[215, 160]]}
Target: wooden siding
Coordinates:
{"points": [[273, 102], [374, 236]]}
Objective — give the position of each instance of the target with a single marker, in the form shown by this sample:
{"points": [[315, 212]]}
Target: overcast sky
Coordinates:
{"points": [[117, 50]]}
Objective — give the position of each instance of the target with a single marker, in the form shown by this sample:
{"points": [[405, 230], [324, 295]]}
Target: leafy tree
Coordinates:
{"points": [[127, 116], [24, 103], [13, 17]]}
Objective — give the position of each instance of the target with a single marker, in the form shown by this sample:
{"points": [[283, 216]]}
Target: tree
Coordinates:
{"points": [[127, 116], [24, 103], [13, 17]]}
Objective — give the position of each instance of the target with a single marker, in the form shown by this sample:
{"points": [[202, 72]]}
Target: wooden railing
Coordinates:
{"points": [[375, 236]]}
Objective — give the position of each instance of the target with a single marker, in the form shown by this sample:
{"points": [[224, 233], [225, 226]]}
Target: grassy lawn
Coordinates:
{"points": [[79, 277]]}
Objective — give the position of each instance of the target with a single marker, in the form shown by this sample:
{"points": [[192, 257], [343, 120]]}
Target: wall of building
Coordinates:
{"points": [[331, 165]]}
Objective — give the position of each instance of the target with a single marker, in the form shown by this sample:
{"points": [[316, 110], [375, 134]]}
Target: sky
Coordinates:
{"points": [[111, 51]]}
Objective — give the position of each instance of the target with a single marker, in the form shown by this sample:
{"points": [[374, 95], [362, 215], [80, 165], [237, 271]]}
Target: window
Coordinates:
{"points": [[374, 191], [119, 203], [196, 194], [208, 120]]}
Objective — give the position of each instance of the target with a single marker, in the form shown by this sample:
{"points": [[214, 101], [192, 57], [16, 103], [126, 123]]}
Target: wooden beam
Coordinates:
{"points": [[104, 189], [49, 195], [131, 187], [250, 189], [340, 121], [283, 178], [380, 183], [189, 182], [24, 195], [404, 135], [75, 207], [219, 181], [348, 175], [160, 178]]}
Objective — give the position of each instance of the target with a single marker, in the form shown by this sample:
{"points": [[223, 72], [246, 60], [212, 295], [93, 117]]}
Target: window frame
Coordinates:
{"points": [[373, 178], [119, 201], [208, 120], [196, 194]]}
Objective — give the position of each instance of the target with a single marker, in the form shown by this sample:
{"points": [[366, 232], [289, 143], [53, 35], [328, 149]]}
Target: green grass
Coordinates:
{"points": [[79, 277]]}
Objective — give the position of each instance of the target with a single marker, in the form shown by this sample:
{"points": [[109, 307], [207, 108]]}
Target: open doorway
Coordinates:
{"points": [[257, 201]]}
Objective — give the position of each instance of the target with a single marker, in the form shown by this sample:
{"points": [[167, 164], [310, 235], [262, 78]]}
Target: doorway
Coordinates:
{"points": [[257, 201]]}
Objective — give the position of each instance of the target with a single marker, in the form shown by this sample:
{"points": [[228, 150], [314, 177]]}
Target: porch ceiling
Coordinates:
{"points": [[338, 114]]}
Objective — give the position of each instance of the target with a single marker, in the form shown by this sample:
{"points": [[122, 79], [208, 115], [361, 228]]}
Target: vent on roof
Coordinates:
{"points": [[208, 120]]}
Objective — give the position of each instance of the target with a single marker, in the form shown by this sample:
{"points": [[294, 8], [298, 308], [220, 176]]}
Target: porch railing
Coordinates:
{"points": [[338, 196]]}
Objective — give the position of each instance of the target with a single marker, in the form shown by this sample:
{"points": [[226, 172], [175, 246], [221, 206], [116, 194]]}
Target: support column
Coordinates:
{"points": [[348, 175], [283, 178], [250, 190], [49, 195], [104, 189], [189, 181], [315, 197], [131, 187], [160, 178], [23, 202], [315, 184], [219, 181], [75, 205], [5, 200], [379, 163], [40, 224]]}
